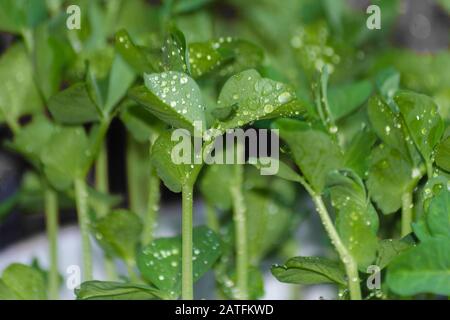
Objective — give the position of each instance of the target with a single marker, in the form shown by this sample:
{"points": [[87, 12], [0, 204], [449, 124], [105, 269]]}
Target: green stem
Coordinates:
{"points": [[407, 213], [429, 165], [351, 267], [134, 176], [152, 207], [51, 215], [97, 137], [211, 217], [240, 226], [131, 273], [83, 221], [101, 179], [102, 185], [187, 290]]}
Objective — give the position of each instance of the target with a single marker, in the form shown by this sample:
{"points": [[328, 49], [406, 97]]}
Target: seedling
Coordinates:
{"points": [[365, 142]]}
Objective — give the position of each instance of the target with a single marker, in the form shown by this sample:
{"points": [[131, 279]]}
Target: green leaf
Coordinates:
{"points": [[390, 176], [443, 154], [50, 55], [314, 151], [120, 79], [135, 56], [389, 249], [173, 97], [119, 233], [18, 93], [174, 176], [215, 185], [269, 222], [204, 58], [175, 52], [347, 98], [140, 123], [255, 284], [245, 54], [73, 105], [108, 290], [355, 157], [160, 261], [422, 269], [284, 171], [65, 156], [388, 125], [32, 138], [356, 219], [186, 6], [256, 98], [310, 270], [438, 214], [17, 15], [388, 82], [26, 282], [6, 293], [422, 119]]}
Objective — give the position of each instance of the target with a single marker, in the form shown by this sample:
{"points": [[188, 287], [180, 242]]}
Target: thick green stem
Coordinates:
{"points": [[351, 267], [51, 216], [152, 207], [187, 289], [81, 198], [240, 226], [407, 213]]}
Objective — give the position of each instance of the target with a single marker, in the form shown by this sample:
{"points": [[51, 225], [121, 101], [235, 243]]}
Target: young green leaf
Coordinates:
{"points": [[140, 123], [356, 219], [108, 290], [443, 154], [74, 106], [422, 119], [32, 138], [314, 151], [347, 98], [120, 79], [388, 125], [255, 284], [256, 98], [388, 82], [390, 176], [204, 58], [268, 222], [355, 157], [174, 176], [438, 214], [310, 270], [18, 93], [389, 249], [18, 15], [65, 156], [173, 97], [284, 170], [160, 261], [25, 282], [422, 269], [135, 56], [214, 185], [119, 233], [175, 52]]}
